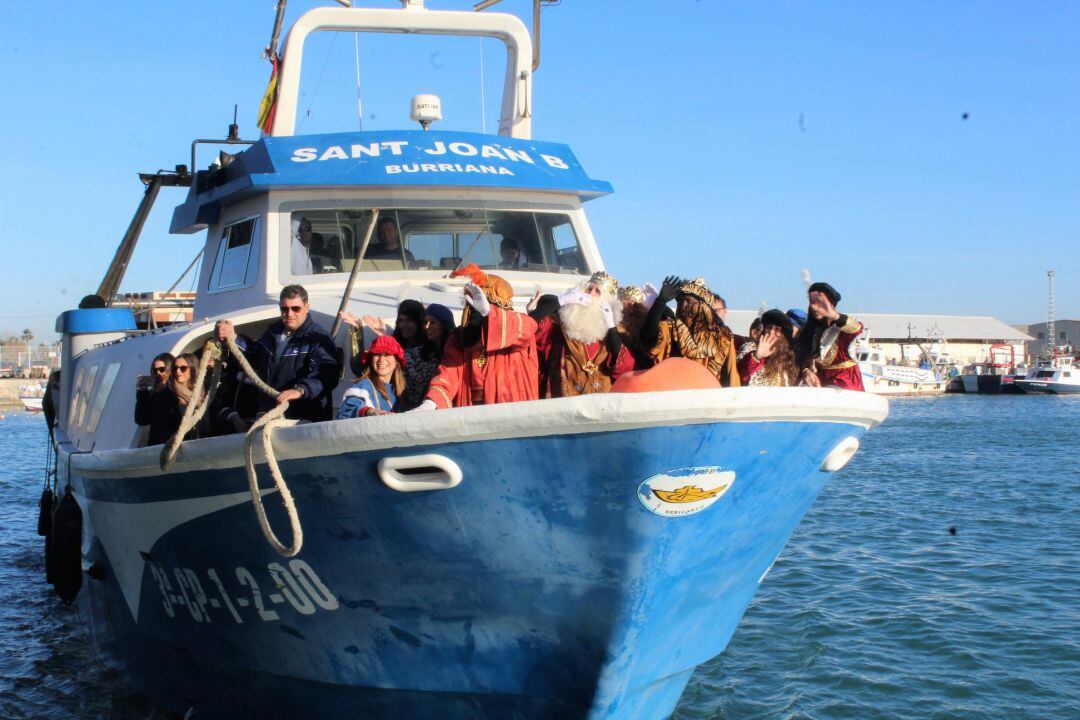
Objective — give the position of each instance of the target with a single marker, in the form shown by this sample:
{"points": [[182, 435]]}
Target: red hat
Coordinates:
{"points": [[385, 345]]}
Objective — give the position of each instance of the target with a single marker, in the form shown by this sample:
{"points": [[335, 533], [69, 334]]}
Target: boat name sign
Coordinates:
{"points": [[409, 157], [685, 491]]}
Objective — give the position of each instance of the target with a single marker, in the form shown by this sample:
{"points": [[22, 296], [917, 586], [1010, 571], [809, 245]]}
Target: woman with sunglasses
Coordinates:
{"points": [[172, 400], [147, 385]]}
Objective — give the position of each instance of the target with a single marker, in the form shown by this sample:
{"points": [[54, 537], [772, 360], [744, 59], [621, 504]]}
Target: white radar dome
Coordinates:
{"points": [[426, 109]]}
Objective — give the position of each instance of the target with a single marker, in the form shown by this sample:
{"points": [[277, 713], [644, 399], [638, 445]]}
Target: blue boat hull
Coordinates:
{"points": [[541, 586]]}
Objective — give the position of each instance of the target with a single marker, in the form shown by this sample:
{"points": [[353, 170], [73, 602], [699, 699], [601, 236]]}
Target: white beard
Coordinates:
{"points": [[585, 323]]}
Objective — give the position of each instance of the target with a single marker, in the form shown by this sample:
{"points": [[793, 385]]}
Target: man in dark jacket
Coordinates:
{"points": [[295, 356]]}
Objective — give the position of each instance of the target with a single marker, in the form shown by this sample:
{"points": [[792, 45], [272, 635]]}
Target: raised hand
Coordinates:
{"points": [[820, 301], [374, 324], [474, 295], [651, 293], [608, 313], [224, 330], [766, 344], [670, 288], [349, 319], [575, 296]]}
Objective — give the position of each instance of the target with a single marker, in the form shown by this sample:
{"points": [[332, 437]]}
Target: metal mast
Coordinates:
{"points": [[1051, 333]]}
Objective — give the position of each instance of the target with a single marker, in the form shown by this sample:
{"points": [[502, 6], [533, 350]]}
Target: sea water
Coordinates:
{"points": [[937, 576]]}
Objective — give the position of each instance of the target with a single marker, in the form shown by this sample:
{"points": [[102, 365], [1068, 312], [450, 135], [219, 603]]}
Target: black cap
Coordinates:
{"points": [[780, 320], [828, 290]]}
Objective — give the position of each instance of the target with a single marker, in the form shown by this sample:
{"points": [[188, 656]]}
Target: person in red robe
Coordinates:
{"points": [[581, 350], [823, 346], [492, 357]]}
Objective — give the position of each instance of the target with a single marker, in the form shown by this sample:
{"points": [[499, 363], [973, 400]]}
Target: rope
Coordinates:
{"points": [[200, 401], [263, 427]]}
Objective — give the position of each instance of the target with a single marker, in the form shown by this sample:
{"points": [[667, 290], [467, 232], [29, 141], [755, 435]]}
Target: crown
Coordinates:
{"points": [[632, 294], [698, 289], [609, 284]]}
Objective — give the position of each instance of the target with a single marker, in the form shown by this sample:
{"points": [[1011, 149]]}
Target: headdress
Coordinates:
{"points": [[498, 291], [698, 289], [631, 294], [609, 284], [442, 314], [385, 345], [826, 289], [780, 320], [797, 317]]}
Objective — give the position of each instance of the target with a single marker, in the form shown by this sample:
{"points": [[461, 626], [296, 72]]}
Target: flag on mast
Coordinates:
{"points": [[269, 102]]}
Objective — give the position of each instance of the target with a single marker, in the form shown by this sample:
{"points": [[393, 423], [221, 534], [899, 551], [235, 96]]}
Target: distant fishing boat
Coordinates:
{"points": [[1059, 376], [567, 558], [881, 378], [31, 396]]}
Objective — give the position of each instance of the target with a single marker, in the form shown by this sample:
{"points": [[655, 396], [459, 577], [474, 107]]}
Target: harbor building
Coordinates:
{"points": [[965, 339], [1067, 332]]}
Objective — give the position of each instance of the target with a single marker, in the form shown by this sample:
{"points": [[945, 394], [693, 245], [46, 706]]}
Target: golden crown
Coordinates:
{"points": [[609, 284], [698, 289], [631, 293]]}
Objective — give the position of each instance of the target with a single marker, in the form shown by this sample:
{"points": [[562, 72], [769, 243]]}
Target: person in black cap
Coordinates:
{"points": [[822, 351], [772, 361]]}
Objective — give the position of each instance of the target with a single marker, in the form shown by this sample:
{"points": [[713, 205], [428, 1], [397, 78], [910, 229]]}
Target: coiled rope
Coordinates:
{"points": [[261, 428]]}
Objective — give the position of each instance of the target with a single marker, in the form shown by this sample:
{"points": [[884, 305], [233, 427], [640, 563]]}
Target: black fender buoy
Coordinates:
{"points": [[45, 510], [67, 548]]}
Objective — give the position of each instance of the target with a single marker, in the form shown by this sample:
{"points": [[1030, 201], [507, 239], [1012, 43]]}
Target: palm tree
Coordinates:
{"points": [[27, 336]]}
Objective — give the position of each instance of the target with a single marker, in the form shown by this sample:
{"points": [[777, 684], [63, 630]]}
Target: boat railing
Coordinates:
{"points": [[414, 19]]}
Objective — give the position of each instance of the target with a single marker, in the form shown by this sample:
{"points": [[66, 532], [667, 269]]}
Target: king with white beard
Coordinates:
{"points": [[577, 340]]}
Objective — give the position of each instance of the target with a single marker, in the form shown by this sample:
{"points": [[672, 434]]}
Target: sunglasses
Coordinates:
{"points": [[180, 369], [306, 229], [295, 309], [160, 369]]}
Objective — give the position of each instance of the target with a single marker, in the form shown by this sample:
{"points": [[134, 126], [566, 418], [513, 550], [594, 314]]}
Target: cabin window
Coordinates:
{"points": [[237, 260], [101, 395], [328, 241], [84, 396], [76, 387]]}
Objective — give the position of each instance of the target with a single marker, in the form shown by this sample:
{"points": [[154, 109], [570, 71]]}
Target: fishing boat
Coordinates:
{"points": [[881, 378], [31, 396], [571, 558], [1057, 376]]}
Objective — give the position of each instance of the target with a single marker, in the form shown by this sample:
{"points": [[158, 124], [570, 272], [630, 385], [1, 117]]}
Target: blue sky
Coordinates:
{"points": [[745, 141]]}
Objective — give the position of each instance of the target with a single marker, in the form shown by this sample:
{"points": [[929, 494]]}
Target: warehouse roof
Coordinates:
{"points": [[894, 327]]}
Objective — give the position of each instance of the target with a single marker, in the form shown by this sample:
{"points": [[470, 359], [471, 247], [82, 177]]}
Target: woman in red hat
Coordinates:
{"points": [[380, 384]]}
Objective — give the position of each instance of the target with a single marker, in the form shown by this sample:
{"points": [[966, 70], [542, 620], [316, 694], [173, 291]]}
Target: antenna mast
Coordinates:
{"points": [[1051, 333]]}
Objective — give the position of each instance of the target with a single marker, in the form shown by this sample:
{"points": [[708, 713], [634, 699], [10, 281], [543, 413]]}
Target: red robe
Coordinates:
{"points": [[837, 368], [748, 367], [502, 367], [562, 367]]}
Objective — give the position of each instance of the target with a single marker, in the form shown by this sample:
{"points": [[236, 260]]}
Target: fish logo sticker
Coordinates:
{"points": [[686, 491]]}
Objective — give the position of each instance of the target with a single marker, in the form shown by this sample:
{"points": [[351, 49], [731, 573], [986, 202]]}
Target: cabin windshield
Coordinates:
{"points": [[328, 241]]}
